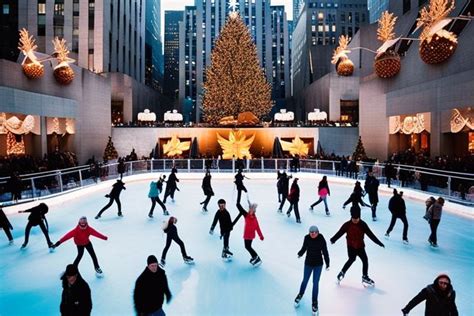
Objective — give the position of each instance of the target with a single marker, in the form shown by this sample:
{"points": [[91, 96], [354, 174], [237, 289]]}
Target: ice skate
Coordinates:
{"points": [[10, 242], [280, 211], [340, 276], [150, 215], [188, 260], [297, 300], [405, 241], [99, 273], [315, 310], [166, 213], [374, 219], [226, 257], [434, 245], [298, 221], [97, 216], [387, 235], [51, 248], [311, 208], [328, 213], [204, 210], [257, 262], [162, 263], [119, 214], [366, 281], [288, 213], [227, 251], [23, 247]]}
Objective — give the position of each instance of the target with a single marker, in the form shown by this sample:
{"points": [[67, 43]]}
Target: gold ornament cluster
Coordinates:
{"points": [[344, 66]]}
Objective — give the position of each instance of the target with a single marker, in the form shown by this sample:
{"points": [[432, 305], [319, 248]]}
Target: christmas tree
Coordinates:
{"points": [[110, 152], [359, 153], [235, 82]]}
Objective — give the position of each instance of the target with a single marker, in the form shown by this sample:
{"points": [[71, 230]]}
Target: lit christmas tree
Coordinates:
{"points": [[359, 153], [110, 152], [235, 82]]}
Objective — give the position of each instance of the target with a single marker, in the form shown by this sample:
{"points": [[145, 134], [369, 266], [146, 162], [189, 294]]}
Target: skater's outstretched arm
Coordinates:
{"points": [[339, 234], [95, 233], [349, 200], [304, 248], [371, 235], [214, 222], [259, 232], [66, 237], [241, 210], [420, 297]]}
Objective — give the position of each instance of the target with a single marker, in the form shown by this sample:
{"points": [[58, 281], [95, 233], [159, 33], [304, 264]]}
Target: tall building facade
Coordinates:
{"points": [[9, 29], [153, 45], [297, 7], [200, 28], [171, 54], [103, 35], [280, 60], [316, 34], [376, 7]]}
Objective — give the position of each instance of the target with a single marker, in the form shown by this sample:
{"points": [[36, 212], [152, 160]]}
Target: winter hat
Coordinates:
{"points": [[314, 229], [221, 201], [151, 259], [71, 270], [355, 212]]}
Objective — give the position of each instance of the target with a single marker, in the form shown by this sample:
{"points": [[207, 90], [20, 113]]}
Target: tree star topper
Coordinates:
{"points": [[236, 146], [233, 4]]}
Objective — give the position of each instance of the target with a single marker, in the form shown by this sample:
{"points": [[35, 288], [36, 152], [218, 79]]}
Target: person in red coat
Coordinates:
{"points": [[81, 238], [251, 226]]}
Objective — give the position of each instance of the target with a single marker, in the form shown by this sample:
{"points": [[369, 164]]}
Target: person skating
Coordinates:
{"points": [[356, 197], [285, 183], [434, 216], [81, 235], [151, 288], [315, 247], [294, 198], [355, 229], [172, 234], [121, 167], [171, 185], [371, 186], [154, 195], [397, 207], [37, 217], [440, 298], [323, 192], [207, 189], [76, 296], [114, 195], [239, 183], [223, 217], [279, 185], [251, 226], [6, 226]]}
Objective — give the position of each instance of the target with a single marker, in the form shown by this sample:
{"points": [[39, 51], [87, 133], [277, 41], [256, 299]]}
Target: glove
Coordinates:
{"points": [[299, 256], [405, 312], [107, 196], [211, 231], [261, 238], [343, 207], [168, 300], [327, 268], [383, 246]]}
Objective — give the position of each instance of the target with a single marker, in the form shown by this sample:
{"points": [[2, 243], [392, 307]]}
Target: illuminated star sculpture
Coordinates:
{"points": [[236, 146], [296, 147], [233, 4], [175, 147]]}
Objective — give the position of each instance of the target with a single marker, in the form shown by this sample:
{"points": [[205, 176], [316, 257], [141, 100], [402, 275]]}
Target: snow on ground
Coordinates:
{"points": [[31, 285]]}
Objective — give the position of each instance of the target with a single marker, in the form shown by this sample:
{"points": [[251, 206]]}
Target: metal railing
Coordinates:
{"points": [[453, 185]]}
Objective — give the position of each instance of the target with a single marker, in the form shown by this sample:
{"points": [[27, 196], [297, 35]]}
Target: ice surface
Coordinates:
{"points": [[30, 282]]}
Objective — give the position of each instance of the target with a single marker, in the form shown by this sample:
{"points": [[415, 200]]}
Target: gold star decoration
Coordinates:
{"points": [[295, 147], [175, 147], [237, 146]]}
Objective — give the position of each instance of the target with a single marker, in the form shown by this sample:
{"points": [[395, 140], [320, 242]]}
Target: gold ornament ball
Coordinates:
{"points": [[387, 64], [33, 71], [437, 50], [344, 67], [64, 75]]}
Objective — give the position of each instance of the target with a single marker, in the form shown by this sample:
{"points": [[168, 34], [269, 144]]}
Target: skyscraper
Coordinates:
{"points": [[297, 7], [171, 55], [153, 45], [376, 7], [200, 28], [9, 29]]}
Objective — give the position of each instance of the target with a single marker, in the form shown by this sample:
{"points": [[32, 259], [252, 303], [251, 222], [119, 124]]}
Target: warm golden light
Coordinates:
{"points": [[175, 147], [295, 147], [237, 146]]}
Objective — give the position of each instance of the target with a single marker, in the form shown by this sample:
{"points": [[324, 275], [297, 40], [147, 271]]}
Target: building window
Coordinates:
{"points": [[41, 8], [6, 9], [59, 8]]}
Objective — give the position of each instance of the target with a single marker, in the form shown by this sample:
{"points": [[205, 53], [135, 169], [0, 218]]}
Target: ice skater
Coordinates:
{"points": [[434, 217], [154, 195], [356, 197], [6, 226], [239, 183], [440, 298], [285, 182], [172, 234], [171, 185], [114, 195], [251, 226], [223, 217], [397, 207], [315, 247], [355, 229], [371, 186], [76, 295], [37, 217], [207, 189], [323, 192], [279, 185], [294, 198], [81, 235]]}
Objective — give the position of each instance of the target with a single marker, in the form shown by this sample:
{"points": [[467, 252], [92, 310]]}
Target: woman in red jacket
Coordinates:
{"points": [[251, 226], [81, 238]]}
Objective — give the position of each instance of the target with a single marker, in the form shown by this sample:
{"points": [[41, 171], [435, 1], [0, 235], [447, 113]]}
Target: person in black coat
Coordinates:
{"points": [[285, 182], [440, 298], [151, 288], [6, 226], [37, 217], [294, 198], [356, 197], [171, 185], [225, 222], [397, 207], [371, 186], [172, 234], [279, 185], [76, 296], [15, 186], [121, 167], [239, 182], [315, 247], [207, 189], [114, 195]]}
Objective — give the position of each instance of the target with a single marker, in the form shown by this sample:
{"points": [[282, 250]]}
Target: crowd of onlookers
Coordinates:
{"points": [[261, 124]]}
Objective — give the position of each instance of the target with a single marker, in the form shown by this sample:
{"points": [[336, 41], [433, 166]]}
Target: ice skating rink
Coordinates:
{"points": [[30, 282]]}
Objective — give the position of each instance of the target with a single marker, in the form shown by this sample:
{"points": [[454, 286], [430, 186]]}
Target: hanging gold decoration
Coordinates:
{"points": [[344, 66], [32, 68], [387, 62], [174, 147], [295, 147], [14, 147], [437, 44], [63, 73], [237, 146]]}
